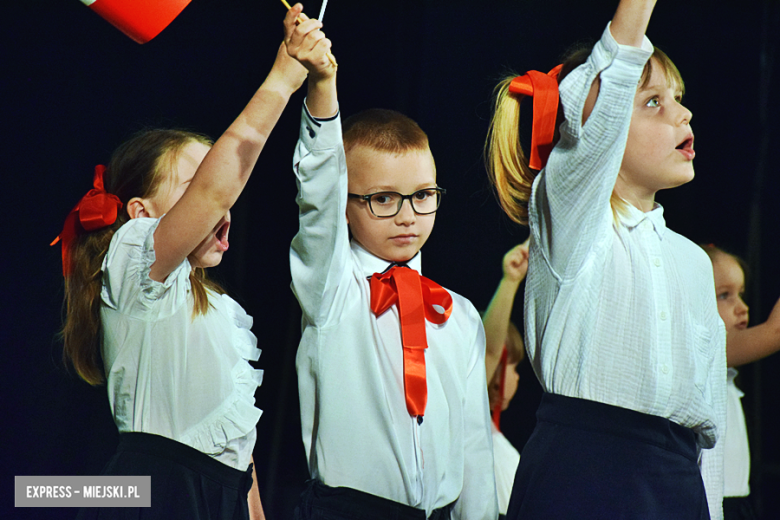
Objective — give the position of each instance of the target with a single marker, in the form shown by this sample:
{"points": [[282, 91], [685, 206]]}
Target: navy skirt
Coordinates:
{"points": [[588, 460], [186, 484]]}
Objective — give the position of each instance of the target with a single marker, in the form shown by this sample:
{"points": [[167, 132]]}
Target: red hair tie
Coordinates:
{"points": [[96, 210], [544, 89]]}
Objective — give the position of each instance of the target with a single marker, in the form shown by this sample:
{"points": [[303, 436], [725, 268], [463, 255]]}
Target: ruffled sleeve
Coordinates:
{"points": [[127, 286], [238, 416]]}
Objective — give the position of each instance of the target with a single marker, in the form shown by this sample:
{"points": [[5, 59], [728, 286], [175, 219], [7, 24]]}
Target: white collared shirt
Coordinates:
{"points": [[506, 458], [620, 312], [357, 431]]}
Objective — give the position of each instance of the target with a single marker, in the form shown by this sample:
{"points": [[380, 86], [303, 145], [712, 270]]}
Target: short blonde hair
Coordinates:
{"points": [[383, 130]]}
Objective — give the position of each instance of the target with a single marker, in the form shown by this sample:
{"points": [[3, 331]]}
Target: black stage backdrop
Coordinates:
{"points": [[72, 88]]}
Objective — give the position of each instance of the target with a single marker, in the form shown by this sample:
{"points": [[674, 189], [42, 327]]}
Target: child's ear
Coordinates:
{"points": [[136, 207]]}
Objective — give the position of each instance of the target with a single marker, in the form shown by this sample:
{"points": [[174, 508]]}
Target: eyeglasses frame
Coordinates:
{"points": [[367, 198]]}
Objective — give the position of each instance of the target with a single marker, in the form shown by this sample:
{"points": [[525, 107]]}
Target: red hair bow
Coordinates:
{"points": [[96, 210], [544, 89], [415, 296]]}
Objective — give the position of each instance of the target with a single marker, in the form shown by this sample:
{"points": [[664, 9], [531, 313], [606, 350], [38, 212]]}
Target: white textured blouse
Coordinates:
{"points": [[169, 374], [620, 312], [357, 431]]}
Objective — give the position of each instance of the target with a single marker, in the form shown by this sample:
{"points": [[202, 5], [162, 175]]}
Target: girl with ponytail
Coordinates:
{"points": [[621, 327], [143, 318]]}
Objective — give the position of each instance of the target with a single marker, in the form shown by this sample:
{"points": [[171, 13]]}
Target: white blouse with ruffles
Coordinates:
{"points": [[169, 374]]}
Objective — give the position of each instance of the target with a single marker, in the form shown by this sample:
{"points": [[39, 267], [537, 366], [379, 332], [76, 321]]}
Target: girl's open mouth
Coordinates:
{"points": [[686, 148], [222, 235]]}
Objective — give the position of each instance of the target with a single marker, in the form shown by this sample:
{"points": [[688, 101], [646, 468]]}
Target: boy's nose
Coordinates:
{"points": [[407, 214]]}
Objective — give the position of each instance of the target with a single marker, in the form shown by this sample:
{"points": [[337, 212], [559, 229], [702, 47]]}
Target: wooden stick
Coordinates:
{"points": [[331, 58]]}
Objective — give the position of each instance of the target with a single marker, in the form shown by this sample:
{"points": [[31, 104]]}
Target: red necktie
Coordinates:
{"points": [[415, 296]]}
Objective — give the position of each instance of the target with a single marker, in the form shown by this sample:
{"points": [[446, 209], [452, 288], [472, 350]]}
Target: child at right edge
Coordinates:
{"points": [[621, 327], [743, 345], [391, 366]]}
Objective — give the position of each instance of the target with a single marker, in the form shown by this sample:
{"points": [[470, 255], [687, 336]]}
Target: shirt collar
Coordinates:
{"points": [[633, 217], [370, 264]]}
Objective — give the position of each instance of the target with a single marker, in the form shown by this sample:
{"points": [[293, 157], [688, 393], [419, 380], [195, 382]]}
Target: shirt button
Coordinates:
{"points": [[663, 315], [311, 132], [665, 368], [657, 262]]}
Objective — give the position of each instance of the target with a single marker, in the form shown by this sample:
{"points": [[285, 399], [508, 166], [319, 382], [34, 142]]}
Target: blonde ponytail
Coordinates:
{"points": [[507, 164]]}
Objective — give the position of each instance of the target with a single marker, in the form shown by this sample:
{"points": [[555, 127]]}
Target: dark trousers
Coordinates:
{"points": [[589, 460], [186, 484], [321, 502]]}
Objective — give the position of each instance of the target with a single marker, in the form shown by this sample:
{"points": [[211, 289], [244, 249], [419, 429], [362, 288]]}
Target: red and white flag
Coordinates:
{"points": [[141, 20]]}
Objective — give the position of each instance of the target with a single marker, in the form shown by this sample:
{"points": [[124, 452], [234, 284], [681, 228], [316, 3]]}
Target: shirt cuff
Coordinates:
{"points": [[629, 53], [320, 134], [316, 120]]}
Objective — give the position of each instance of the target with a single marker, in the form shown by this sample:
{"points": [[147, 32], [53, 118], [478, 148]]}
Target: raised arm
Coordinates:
{"points": [[307, 44], [630, 21], [320, 251], [222, 175], [499, 311], [754, 343], [628, 28], [571, 200]]}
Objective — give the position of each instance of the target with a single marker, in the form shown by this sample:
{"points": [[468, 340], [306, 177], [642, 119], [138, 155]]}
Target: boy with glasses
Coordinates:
{"points": [[391, 375]]}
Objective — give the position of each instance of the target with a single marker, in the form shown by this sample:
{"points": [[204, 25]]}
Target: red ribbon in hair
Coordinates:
{"points": [[501, 382], [96, 210], [544, 89], [415, 296]]}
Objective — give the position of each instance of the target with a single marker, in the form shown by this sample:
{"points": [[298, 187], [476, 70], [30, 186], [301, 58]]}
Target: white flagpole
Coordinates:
{"points": [[322, 10]]}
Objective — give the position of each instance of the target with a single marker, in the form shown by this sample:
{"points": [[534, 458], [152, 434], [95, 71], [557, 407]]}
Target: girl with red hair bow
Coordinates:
{"points": [[142, 317], [621, 327]]}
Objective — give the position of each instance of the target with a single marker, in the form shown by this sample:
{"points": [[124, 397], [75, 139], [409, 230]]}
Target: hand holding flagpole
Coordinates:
{"points": [[300, 20]]}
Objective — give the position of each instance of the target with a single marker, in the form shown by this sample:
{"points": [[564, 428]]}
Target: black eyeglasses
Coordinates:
{"points": [[388, 204]]}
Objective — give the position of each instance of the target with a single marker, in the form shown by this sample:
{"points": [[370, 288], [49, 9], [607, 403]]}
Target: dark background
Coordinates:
{"points": [[72, 88]]}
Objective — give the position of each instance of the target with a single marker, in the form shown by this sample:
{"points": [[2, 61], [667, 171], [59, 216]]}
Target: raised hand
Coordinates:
{"points": [[287, 73], [516, 262], [307, 43]]}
